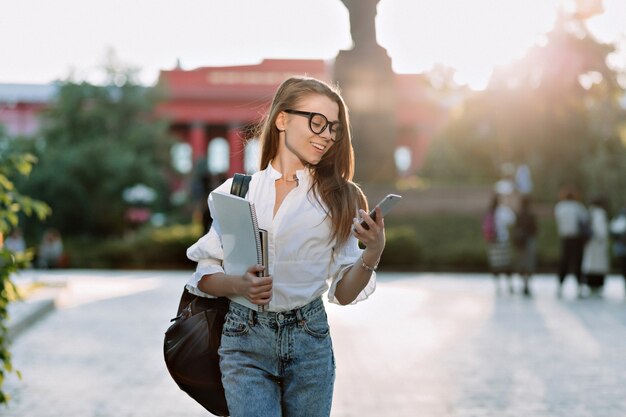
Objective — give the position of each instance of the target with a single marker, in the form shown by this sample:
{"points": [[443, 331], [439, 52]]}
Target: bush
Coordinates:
{"points": [[453, 242], [403, 249], [415, 242], [150, 248]]}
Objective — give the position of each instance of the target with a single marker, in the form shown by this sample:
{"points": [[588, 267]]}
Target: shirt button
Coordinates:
{"points": [[281, 317]]}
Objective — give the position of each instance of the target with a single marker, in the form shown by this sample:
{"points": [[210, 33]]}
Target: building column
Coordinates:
{"points": [[236, 146], [197, 140]]}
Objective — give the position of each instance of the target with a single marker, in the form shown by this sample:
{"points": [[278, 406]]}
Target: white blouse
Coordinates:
{"points": [[302, 258]]}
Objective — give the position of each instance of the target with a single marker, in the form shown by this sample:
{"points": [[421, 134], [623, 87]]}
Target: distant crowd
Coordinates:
{"points": [[586, 232], [49, 254]]}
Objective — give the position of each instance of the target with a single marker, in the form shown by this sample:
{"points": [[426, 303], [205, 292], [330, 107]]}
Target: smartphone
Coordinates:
{"points": [[386, 204]]}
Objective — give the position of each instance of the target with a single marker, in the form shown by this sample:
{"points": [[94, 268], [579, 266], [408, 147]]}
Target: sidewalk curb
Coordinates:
{"points": [[24, 313]]}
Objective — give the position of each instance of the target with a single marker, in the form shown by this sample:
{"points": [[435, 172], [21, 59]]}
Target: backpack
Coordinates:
{"points": [[489, 226]]}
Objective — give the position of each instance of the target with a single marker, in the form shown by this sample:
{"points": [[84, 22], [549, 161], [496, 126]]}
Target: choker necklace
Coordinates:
{"points": [[294, 179]]}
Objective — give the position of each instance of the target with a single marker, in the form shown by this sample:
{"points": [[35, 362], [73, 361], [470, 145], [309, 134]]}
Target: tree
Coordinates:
{"points": [[96, 142], [556, 110], [12, 204]]}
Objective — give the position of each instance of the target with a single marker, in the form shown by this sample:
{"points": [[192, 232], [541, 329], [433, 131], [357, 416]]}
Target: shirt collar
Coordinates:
{"points": [[274, 174]]}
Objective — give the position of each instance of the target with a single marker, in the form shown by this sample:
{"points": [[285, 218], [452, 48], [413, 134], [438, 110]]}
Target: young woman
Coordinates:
{"points": [[279, 361], [499, 219], [525, 241]]}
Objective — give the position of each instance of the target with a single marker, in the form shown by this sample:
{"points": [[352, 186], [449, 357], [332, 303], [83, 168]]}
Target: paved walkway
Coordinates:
{"points": [[424, 345]]}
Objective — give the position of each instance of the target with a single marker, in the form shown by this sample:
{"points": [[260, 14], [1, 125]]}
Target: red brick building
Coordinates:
{"points": [[210, 108]]}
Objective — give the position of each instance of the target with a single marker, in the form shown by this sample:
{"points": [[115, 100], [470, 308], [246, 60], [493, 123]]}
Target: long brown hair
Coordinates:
{"points": [[332, 176]]}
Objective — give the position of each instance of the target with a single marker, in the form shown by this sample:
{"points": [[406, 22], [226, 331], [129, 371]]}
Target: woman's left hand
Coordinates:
{"points": [[374, 237]]}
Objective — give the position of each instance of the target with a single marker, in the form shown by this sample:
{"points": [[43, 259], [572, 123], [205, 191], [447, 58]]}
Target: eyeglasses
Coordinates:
{"points": [[318, 123]]}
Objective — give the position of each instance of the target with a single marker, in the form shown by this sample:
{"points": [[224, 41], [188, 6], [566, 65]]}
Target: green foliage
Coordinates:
{"points": [[12, 204], [556, 110], [452, 242], [96, 142], [149, 248], [402, 250], [415, 242], [445, 241]]}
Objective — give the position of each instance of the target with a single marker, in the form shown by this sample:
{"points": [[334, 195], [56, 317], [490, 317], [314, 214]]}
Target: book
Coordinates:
{"points": [[243, 242]]}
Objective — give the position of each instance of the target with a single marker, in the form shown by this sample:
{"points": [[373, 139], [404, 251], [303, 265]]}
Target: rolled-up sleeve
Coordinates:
{"points": [[343, 259], [207, 252]]}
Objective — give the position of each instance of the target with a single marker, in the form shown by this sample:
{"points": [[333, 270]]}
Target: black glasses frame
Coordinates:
{"points": [[327, 124]]}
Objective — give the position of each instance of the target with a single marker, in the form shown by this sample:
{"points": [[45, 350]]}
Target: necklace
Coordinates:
{"points": [[294, 179]]}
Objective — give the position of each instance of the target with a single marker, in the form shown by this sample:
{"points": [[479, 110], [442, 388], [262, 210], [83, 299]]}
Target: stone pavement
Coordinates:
{"points": [[437, 345]]}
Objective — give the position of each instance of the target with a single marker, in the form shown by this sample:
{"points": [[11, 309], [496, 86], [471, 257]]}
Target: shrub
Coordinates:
{"points": [[150, 248], [402, 250]]}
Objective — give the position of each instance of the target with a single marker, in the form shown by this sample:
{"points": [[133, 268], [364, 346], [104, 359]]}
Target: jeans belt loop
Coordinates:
{"points": [[300, 317]]}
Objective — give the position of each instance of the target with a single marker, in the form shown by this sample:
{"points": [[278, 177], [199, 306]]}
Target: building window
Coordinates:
{"points": [[251, 156], [218, 160], [181, 157]]}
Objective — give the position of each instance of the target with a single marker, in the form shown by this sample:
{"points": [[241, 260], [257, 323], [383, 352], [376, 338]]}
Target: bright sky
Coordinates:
{"points": [[41, 41]]}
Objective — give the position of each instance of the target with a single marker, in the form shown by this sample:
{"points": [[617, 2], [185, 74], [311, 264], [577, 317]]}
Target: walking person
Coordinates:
{"points": [[15, 241], [524, 237], [496, 224], [596, 263], [618, 233], [279, 361], [570, 215], [50, 250]]}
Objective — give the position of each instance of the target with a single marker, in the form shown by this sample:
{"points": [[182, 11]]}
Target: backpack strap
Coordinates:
{"points": [[240, 185]]}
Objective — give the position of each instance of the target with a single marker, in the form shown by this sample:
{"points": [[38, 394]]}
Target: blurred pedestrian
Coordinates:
{"points": [[618, 233], [596, 264], [570, 215], [524, 238], [523, 180], [505, 186], [496, 224], [50, 251], [15, 241]]}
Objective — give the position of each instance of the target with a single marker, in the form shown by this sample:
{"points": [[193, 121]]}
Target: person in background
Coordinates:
{"points": [[524, 237], [15, 241], [570, 213], [618, 233], [596, 263], [50, 251], [523, 180], [496, 224]]}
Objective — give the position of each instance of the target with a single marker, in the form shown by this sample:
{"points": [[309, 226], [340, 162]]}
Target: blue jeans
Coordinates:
{"points": [[277, 364]]}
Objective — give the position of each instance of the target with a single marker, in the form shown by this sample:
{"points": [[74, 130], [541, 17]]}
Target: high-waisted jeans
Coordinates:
{"points": [[277, 364]]}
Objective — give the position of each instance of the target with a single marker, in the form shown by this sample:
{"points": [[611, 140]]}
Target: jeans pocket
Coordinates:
{"points": [[235, 325], [317, 325]]}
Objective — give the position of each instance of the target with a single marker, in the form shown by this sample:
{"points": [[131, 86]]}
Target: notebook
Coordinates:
{"points": [[244, 244]]}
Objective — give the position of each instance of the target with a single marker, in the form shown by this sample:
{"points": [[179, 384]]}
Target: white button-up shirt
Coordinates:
{"points": [[303, 261]]}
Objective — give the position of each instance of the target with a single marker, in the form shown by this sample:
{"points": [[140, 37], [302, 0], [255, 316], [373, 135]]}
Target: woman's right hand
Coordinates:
{"points": [[258, 290]]}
